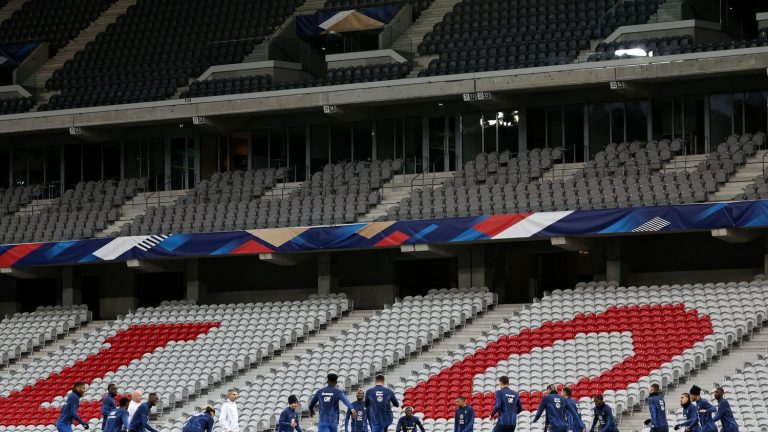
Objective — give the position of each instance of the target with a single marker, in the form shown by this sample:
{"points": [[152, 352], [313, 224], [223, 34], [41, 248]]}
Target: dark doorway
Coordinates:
{"points": [[90, 286], [37, 292], [154, 288], [416, 277]]}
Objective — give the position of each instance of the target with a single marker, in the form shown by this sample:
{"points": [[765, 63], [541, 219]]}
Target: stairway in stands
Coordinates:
{"points": [[726, 365], [216, 395], [138, 205], [261, 51], [399, 187], [59, 344], [743, 176], [38, 79], [671, 10], [408, 42]]}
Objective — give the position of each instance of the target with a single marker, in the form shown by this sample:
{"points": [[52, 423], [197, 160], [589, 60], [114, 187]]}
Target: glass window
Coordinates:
{"points": [[156, 164], [617, 122], [507, 128], [223, 151], [72, 161], [318, 147], [278, 148], [489, 131], [20, 157], [260, 148], [412, 143], [695, 113], [537, 128], [663, 118], [91, 162], [5, 160], [755, 112], [385, 139], [297, 157], [451, 141], [238, 151], [363, 141], [555, 126], [574, 133], [132, 159], [341, 142], [437, 142], [208, 155], [36, 165], [720, 118], [52, 169], [111, 155], [637, 120], [738, 113], [599, 127], [471, 136]]}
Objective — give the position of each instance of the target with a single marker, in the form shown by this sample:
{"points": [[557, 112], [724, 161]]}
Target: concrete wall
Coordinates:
{"points": [[118, 291], [701, 31], [396, 27]]}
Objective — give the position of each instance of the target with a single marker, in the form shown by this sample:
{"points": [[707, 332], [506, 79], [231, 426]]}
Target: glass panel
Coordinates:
{"points": [[259, 148], [755, 115], [677, 110], [156, 163], [662, 119], [111, 157], [132, 159], [52, 170], [278, 148], [637, 120], [223, 150], [599, 127], [720, 118], [36, 163], [385, 139], [238, 151], [318, 147], [341, 143], [72, 160], [695, 113], [297, 157], [471, 136], [20, 157], [91, 162], [537, 128], [208, 152], [451, 159], [412, 143], [508, 131], [555, 127], [617, 122], [738, 113], [363, 141], [437, 142], [178, 163], [574, 133], [5, 157], [489, 132]]}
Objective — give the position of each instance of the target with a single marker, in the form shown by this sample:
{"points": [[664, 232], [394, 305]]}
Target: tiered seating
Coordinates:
{"points": [[336, 76], [598, 338], [418, 5], [494, 34], [150, 50], [78, 214], [15, 197], [16, 105], [53, 21], [177, 350], [408, 326], [672, 45], [22, 333]]}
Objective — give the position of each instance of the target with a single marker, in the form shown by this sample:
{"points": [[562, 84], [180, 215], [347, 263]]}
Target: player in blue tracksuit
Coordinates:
{"points": [[705, 409], [108, 404], [603, 417], [69, 409], [140, 420], [360, 423], [379, 400], [202, 422], [691, 422], [464, 419], [557, 411], [574, 421], [117, 420], [658, 409], [409, 422], [724, 414], [289, 418], [328, 398], [507, 406]]}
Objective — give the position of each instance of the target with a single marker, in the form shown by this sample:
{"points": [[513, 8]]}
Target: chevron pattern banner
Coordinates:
{"points": [[680, 218]]}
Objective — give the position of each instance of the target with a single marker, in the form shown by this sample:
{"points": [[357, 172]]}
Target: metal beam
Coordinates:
{"points": [[571, 243], [281, 259], [145, 266], [735, 235], [30, 273], [425, 251]]}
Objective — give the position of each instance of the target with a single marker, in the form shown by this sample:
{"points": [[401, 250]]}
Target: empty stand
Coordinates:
{"points": [[16, 105], [14, 198], [149, 51], [22, 333], [79, 213]]}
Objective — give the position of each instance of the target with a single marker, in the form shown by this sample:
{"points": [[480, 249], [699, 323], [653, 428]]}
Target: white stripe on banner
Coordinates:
{"points": [[119, 246], [531, 225], [655, 224]]}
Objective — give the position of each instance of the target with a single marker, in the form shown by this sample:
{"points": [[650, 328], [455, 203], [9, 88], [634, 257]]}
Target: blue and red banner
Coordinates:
{"points": [[673, 218]]}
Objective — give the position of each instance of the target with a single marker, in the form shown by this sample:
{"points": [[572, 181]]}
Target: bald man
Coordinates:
{"points": [[134, 404]]}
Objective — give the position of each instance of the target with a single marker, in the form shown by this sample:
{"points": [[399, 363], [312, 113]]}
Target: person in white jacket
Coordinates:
{"points": [[134, 403], [228, 417]]}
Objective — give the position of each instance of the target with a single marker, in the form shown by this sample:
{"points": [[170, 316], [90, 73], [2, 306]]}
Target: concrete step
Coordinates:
{"points": [[743, 176], [59, 344], [260, 51], [343, 324], [707, 378], [410, 39], [35, 206], [683, 163], [282, 190], [562, 171], [400, 187], [138, 205], [89, 34]]}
